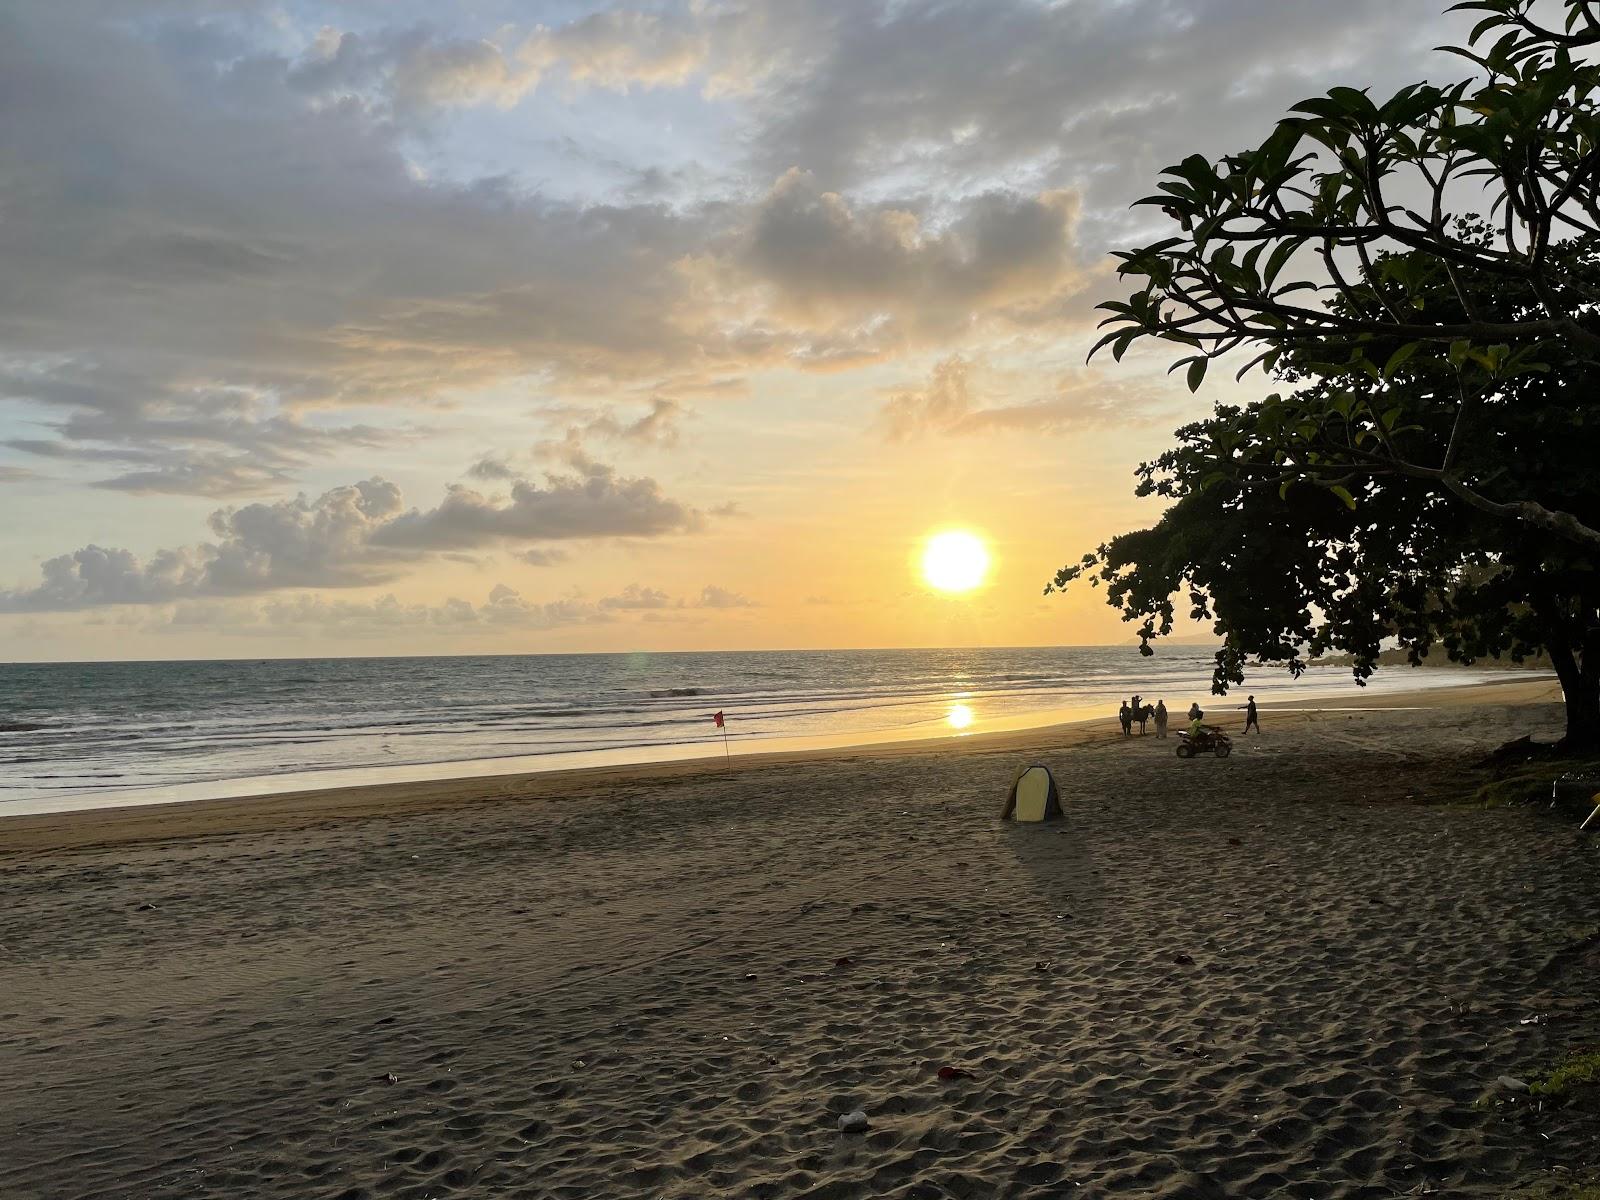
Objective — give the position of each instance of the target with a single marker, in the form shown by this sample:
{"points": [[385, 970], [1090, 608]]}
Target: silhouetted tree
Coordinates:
{"points": [[1431, 473]]}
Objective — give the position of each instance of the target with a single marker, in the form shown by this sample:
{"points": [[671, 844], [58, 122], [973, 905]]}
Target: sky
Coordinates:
{"points": [[385, 327]]}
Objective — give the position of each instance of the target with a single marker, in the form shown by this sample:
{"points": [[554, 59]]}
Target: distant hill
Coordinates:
{"points": [[1209, 640], [1397, 658], [1386, 658]]}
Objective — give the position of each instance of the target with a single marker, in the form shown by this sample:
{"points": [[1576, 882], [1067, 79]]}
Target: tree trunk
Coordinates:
{"points": [[1580, 687], [1583, 723]]}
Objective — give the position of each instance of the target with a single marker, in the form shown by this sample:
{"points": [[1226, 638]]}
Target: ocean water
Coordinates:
{"points": [[88, 734]]}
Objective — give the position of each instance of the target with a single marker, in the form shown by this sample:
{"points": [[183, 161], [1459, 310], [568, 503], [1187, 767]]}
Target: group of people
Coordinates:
{"points": [[1137, 712]]}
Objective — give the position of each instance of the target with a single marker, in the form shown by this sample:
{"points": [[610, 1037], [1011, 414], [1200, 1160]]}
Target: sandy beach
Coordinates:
{"points": [[1296, 972]]}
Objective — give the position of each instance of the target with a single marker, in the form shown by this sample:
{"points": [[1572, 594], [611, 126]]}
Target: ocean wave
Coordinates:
{"points": [[173, 723]]}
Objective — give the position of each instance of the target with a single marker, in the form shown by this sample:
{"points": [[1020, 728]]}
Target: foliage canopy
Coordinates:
{"points": [[1422, 274]]}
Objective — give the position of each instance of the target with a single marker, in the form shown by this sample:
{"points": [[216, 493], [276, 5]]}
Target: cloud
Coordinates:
{"points": [[947, 405], [493, 468], [636, 597], [237, 250], [504, 608], [712, 596], [1096, 93], [455, 73], [291, 543], [946, 400], [295, 616], [596, 504], [409, 73], [205, 242], [828, 261], [540, 556], [617, 49], [1082, 399], [657, 427], [179, 436], [194, 331], [350, 537]]}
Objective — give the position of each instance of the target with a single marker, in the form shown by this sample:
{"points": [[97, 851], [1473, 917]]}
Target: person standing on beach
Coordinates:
{"points": [[1125, 715], [1251, 717], [1161, 718]]}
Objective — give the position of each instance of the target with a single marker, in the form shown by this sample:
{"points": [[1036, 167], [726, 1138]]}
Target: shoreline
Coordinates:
{"points": [[178, 756], [81, 828]]}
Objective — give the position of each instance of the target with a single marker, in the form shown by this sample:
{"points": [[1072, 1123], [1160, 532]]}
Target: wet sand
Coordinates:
{"points": [[1279, 974]]}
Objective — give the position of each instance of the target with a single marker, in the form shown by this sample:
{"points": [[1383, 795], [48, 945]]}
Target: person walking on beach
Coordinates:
{"points": [[1125, 715], [1161, 718], [1251, 717]]}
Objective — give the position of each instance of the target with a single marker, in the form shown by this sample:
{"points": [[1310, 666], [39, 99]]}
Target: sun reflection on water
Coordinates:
{"points": [[959, 716]]}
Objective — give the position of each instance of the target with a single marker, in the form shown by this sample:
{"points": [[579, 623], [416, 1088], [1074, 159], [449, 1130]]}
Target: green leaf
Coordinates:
{"points": [[1399, 357], [1281, 253], [1197, 372], [1344, 494]]}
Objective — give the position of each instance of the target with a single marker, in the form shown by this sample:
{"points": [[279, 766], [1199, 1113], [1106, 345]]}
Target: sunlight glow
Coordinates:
{"points": [[960, 716], [955, 561]]}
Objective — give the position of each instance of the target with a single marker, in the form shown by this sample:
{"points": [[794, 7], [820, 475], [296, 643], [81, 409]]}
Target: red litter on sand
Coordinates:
{"points": [[954, 1073]]}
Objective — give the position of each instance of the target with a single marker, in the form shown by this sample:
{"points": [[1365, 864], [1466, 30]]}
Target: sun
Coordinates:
{"points": [[955, 561]]}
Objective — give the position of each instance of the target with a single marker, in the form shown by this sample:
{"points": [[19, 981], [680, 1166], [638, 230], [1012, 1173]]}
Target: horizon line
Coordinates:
{"points": [[255, 658]]}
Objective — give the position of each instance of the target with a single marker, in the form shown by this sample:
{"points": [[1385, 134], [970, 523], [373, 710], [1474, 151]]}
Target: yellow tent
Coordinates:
{"points": [[1033, 796]]}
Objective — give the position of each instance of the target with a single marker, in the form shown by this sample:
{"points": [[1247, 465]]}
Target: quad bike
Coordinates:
{"points": [[1210, 738]]}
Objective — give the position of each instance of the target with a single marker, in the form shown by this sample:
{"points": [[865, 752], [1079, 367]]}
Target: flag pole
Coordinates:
{"points": [[726, 753]]}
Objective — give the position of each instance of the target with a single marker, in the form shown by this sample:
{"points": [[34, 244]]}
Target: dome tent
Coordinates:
{"points": [[1033, 796]]}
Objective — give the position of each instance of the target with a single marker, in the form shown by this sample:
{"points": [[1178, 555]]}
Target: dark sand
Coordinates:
{"points": [[1274, 975]]}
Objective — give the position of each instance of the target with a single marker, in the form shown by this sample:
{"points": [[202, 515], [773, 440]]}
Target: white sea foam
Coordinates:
{"points": [[80, 735]]}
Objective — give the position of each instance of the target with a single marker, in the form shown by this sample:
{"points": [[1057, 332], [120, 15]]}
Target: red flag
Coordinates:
{"points": [[717, 717]]}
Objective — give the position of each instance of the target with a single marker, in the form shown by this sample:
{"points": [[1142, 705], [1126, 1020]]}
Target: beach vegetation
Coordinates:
{"points": [[1558, 1191], [1527, 784], [1578, 1073], [1420, 276], [1531, 782]]}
